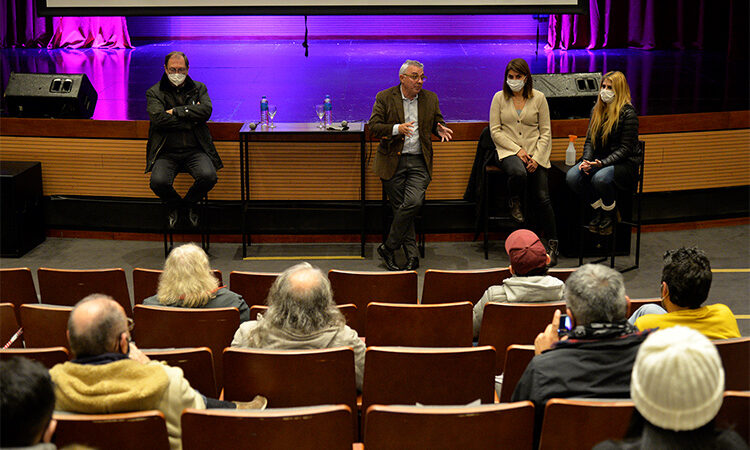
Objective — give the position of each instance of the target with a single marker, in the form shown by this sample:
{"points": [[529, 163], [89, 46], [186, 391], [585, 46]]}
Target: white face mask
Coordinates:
{"points": [[176, 78], [607, 95], [516, 85]]}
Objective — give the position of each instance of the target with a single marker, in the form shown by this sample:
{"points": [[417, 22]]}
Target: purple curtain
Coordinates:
{"points": [[653, 24], [21, 27]]}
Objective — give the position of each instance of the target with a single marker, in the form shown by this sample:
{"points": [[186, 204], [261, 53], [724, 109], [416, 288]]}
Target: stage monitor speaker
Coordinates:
{"points": [[56, 95], [569, 95], [21, 211]]}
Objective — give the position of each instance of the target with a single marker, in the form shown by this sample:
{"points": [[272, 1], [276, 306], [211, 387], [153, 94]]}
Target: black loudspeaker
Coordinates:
{"points": [[569, 95], [21, 214], [56, 95]]}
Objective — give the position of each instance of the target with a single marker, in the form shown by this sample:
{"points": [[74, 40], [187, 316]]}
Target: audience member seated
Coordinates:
{"points": [[189, 282], [110, 374], [685, 281], [677, 388], [301, 316], [594, 359], [27, 399], [530, 283]]}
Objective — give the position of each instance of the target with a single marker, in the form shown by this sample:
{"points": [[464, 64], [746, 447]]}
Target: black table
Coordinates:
{"points": [[298, 132]]}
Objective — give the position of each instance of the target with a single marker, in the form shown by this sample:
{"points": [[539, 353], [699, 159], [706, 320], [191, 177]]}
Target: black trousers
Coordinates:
{"points": [[169, 164], [519, 180]]}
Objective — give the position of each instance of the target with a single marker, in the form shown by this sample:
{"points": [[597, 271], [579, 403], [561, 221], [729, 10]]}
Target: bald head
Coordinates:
{"points": [[95, 325]]}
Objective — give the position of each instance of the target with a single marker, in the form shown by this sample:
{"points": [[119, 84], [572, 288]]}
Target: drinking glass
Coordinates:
{"points": [[320, 111], [272, 109]]}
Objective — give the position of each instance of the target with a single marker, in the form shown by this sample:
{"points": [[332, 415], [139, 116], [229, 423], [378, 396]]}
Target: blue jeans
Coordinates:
{"points": [[648, 308], [600, 183]]}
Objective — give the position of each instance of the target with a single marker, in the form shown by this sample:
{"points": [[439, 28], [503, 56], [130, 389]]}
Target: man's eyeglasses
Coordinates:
{"points": [[174, 70], [415, 76]]}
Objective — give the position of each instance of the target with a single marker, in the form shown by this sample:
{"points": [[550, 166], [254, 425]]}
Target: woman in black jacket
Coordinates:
{"points": [[611, 154]]}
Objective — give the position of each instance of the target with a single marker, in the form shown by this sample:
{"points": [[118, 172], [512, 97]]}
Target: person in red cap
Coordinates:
{"points": [[530, 283]]}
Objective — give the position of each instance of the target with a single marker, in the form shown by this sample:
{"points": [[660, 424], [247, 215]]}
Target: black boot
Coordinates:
{"points": [[553, 252], [609, 220], [515, 209], [593, 226]]}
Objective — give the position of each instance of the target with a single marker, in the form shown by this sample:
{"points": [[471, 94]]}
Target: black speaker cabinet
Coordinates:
{"points": [[569, 95], [21, 214], [56, 95]]}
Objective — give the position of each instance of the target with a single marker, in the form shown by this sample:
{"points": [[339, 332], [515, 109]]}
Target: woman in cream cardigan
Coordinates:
{"points": [[520, 130]]}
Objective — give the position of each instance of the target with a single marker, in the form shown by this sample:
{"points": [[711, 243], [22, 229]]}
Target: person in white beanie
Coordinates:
{"points": [[677, 386]]}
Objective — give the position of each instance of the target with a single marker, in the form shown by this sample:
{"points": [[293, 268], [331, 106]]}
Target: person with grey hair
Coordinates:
{"points": [[404, 117], [301, 316], [595, 357], [110, 374], [178, 138]]}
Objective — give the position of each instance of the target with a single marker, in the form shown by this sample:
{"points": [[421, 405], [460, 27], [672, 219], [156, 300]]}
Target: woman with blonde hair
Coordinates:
{"points": [[611, 154], [189, 282]]}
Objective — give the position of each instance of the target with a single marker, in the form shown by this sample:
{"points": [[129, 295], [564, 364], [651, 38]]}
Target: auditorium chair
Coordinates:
{"points": [[635, 303], [124, 431], [252, 286], [68, 286], [9, 327], [302, 428], [430, 376], [572, 424], [290, 378], [735, 356], [504, 324], [48, 356], [349, 311], [146, 283], [734, 413], [447, 286], [17, 287], [440, 325], [609, 242], [362, 288], [561, 274], [517, 357], [450, 427], [170, 327], [45, 325], [196, 363]]}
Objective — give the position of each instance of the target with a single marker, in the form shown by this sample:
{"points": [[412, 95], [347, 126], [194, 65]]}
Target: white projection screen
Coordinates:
{"points": [[306, 7]]}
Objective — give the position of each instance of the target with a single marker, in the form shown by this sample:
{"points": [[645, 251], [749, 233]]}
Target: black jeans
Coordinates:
{"points": [[519, 179], [169, 164]]}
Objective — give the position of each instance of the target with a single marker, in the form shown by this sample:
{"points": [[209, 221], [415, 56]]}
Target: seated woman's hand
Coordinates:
{"points": [[531, 165], [523, 155]]}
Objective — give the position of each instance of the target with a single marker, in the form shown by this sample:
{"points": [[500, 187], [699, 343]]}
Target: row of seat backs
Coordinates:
{"points": [[66, 287], [568, 424]]}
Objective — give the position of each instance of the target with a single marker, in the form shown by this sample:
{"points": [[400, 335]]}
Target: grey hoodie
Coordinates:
{"points": [[516, 289]]}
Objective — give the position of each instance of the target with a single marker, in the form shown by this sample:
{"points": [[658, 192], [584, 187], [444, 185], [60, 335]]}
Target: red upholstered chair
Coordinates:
{"points": [[252, 286], [504, 324], [734, 413], [306, 428], [196, 363], [440, 325], [17, 287], [636, 303], [574, 424], [362, 288], [126, 431], [457, 427], [9, 326], [67, 287], [146, 282], [735, 356], [48, 356], [517, 357], [45, 325], [561, 274], [446, 286]]}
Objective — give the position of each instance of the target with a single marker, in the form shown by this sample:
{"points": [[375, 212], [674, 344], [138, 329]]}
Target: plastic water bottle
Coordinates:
{"points": [[570, 152], [328, 108], [264, 119]]}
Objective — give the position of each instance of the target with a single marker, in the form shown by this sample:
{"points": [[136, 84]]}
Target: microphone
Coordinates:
{"points": [[252, 125]]}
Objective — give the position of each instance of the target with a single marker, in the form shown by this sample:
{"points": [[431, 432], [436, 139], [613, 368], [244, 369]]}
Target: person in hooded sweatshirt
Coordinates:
{"points": [[301, 315], [529, 283]]}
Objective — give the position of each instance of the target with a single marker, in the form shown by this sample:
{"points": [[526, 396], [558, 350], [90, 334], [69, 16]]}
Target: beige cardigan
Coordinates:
{"points": [[530, 131]]}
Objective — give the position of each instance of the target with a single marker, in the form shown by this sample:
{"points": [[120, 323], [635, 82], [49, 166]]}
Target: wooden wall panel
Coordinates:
{"points": [[294, 171]]}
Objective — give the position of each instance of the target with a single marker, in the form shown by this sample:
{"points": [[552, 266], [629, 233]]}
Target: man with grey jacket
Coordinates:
{"points": [[529, 283]]}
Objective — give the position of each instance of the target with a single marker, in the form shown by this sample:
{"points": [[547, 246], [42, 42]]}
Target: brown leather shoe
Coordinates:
{"points": [[259, 402]]}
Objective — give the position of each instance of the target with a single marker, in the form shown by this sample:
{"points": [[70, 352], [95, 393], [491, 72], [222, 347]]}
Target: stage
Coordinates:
{"points": [[465, 73]]}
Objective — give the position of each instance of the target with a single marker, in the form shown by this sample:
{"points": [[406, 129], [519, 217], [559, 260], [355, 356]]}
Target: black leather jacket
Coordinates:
{"points": [[622, 143], [190, 116]]}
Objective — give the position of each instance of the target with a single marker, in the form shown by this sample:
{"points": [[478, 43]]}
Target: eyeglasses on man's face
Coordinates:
{"points": [[415, 76], [174, 70]]}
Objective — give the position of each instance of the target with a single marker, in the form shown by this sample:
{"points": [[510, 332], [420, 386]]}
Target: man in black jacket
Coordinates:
{"points": [[178, 137], [595, 358]]}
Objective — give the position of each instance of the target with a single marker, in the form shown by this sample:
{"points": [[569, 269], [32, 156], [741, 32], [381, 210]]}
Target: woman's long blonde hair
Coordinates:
{"points": [[605, 116], [187, 279]]}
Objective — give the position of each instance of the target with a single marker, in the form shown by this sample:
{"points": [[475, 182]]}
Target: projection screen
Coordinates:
{"points": [[303, 7]]}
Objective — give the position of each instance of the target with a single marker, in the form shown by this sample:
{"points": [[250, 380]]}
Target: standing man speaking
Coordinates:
{"points": [[404, 117], [178, 137]]}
